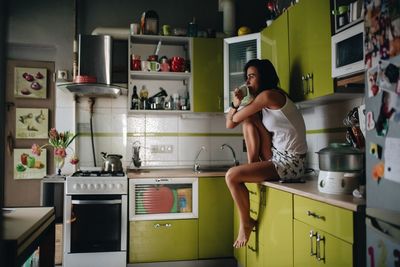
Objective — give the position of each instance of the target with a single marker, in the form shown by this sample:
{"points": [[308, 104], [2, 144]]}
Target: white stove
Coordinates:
{"points": [[95, 205]]}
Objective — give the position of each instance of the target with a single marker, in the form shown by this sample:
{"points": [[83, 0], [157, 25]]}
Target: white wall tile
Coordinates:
{"points": [[218, 125], [194, 125], [188, 147], [225, 156], [64, 98], [136, 124], [120, 102], [161, 123]]}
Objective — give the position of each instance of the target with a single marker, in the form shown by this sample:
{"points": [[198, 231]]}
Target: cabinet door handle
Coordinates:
{"points": [[316, 216], [319, 239], [251, 248], [312, 235], [304, 84], [158, 225], [162, 180], [252, 192], [253, 211], [310, 79]]}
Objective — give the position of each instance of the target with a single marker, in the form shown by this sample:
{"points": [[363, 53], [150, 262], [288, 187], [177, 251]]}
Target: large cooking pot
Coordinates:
{"points": [[340, 157], [112, 162]]}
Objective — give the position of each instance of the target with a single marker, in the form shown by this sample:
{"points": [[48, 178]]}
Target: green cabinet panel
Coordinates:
{"points": [[275, 47], [310, 49], [207, 63], [334, 220], [164, 240], [276, 230], [215, 218], [332, 251], [239, 254]]}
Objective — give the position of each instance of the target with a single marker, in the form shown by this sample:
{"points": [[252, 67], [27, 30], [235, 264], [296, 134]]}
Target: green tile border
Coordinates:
{"points": [[186, 134]]}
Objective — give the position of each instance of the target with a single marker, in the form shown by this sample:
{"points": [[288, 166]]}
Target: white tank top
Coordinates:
{"points": [[287, 128]]}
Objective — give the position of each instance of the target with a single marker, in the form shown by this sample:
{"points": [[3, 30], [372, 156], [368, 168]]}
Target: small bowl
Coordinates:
{"points": [[179, 31]]}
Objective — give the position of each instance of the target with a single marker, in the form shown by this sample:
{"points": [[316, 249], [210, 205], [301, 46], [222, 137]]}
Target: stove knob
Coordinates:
{"points": [[119, 186], [83, 186], [90, 186], [96, 186], [111, 186], [102, 186], [76, 186]]}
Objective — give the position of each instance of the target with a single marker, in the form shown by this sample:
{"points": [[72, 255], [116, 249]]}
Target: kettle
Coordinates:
{"points": [[112, 162]]}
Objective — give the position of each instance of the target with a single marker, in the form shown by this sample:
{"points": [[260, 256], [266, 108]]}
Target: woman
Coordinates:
{"points": [[274, 132]]}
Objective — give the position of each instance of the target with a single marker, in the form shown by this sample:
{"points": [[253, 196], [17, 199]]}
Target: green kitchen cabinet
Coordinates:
{"points": [[163, 240], [207, 72], [323, 234], [276, 230], [275, 47], [314, 247], [310, 50], [215, 218]]}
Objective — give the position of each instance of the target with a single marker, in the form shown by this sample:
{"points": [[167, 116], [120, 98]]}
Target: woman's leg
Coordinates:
{"points": [[258, 143], [235, 179], [257, 138]]}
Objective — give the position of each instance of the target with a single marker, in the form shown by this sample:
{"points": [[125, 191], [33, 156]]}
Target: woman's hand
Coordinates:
{"points": [[238, 97]]}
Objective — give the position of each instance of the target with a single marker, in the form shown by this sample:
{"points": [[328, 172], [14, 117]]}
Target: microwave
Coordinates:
{"points": [[348, 51]]}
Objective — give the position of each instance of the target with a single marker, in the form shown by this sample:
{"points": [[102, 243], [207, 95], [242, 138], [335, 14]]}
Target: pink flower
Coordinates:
{"points": [[53, 134], [60, 152], [74, 160], [36, 149]]}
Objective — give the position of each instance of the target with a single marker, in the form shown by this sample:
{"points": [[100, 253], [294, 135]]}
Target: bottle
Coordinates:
{"points": [[135, 99], [144, 94], [150, 22]]}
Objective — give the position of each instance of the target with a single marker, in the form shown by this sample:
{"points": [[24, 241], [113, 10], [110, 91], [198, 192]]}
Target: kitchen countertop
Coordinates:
{"points": [[308, 189]]}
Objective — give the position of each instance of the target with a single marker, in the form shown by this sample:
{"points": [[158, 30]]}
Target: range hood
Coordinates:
{"points": [[105, 59]]}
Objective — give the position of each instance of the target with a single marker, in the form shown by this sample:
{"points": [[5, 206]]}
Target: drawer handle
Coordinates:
{"points": [[253, 211], [162, 180], [312, 235], [319, 239], [251, 248], [252, 192], [158, 225], [316, 216]]}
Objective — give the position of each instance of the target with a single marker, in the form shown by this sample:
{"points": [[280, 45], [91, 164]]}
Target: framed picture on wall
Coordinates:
{"points": [[30, 82], [29, 166], [32, 123]]}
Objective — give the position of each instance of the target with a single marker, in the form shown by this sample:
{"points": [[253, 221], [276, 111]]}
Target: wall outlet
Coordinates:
{"points": [[62, 75], [161, 148]]}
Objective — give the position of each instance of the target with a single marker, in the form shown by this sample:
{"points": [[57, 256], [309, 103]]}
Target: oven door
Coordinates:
{"points": [[95, 223]]}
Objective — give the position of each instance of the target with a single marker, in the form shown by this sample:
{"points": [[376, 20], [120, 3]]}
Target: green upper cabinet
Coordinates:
{"points": [[310, 50], [207, 72], [215, 218], [275, 47]]}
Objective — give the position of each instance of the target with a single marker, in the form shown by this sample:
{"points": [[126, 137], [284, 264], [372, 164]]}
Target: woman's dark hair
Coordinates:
{"points": [[268, 77]]}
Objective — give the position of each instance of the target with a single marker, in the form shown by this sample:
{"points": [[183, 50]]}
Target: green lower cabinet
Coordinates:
{"points": [[163, 240], [276, 234], [215, 218], [329, 251]]}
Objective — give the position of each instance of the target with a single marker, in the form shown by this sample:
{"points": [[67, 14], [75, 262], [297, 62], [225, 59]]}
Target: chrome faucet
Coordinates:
{"points": [[235, 161], [135, 157], [196, 166]]}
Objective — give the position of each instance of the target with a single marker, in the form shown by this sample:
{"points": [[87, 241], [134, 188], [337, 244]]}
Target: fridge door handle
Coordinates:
{"points": [[371, 222]]}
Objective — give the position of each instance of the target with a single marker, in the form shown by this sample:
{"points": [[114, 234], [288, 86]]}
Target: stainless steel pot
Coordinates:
{"points": [[112, 162], [340, 157]]}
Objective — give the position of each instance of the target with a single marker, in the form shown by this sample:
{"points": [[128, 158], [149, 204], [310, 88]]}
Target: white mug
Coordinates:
{"points": [[153, 66], [145, 65]]}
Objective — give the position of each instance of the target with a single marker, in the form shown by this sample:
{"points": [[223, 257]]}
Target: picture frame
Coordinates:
{"points": [[29, 166], [30, 82], [31, 123]]}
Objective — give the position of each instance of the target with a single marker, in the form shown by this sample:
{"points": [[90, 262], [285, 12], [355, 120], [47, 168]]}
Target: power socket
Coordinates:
{"points": [[161, 149]]}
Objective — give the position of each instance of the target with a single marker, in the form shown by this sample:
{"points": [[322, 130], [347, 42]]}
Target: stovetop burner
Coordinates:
{"points": [[98, 174]]}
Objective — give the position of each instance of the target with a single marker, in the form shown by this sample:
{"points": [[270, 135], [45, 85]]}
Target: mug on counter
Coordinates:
{"points": [[153, 66]]}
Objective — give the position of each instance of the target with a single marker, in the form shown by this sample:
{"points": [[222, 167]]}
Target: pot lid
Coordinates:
{"points": [[114, 156], [340, 148]]}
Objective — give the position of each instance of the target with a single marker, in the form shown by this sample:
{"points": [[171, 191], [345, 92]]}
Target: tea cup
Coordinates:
{"points": [[153, 66]]}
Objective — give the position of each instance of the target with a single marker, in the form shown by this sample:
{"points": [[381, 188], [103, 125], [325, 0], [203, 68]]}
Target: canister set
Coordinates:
{"points": [[174, 64]]}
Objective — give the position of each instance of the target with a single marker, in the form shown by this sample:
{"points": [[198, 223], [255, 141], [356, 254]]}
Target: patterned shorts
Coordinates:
{"points": [[288, 165]]}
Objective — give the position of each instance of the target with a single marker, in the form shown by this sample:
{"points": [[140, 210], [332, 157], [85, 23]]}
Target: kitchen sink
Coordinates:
{"points": [[216, 168]]}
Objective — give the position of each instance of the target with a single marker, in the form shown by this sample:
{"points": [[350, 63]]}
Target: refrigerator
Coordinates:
{"points": [[382, 122]]}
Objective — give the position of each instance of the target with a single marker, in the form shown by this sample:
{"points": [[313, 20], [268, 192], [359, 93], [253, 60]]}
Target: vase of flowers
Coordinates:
{"points": [[60, 141]]}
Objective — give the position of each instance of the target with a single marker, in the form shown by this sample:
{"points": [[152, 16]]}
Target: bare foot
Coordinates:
{"points": [[244, 234]]}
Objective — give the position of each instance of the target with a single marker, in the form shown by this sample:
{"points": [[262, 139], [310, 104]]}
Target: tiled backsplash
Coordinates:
{"points": [[175, 139]]}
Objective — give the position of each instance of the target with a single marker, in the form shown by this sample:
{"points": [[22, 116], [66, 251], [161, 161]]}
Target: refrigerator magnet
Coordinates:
{"points": [[370, 121], [375, 150], [378, 171], [391, 155]]}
